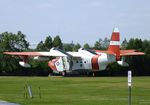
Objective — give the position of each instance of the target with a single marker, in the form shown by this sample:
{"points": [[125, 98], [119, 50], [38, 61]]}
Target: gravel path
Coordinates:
{"points": [[7, 103]]}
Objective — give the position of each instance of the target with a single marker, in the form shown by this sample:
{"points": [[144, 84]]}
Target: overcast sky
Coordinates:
{"points": [[83, 21]]}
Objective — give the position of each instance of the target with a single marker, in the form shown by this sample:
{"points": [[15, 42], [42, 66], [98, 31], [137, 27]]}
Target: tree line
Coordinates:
{"points": [[17, 42]]}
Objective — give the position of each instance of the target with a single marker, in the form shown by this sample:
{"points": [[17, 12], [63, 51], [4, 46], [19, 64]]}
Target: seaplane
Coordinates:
{"points": [[83, 59]]}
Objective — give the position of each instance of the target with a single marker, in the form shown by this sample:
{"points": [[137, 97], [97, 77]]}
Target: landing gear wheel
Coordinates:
{"points": [[87, 73], [64, 73], [93, 74]]}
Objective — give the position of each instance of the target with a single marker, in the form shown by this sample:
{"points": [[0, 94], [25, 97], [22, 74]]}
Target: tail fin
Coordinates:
{"points": [[114, 45]]}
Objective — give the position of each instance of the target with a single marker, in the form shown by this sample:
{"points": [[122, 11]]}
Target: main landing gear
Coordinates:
{"points": [[64, 73]]}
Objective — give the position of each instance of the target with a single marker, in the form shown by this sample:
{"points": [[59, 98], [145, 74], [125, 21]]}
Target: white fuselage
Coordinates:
{"points": [[87, 60]]}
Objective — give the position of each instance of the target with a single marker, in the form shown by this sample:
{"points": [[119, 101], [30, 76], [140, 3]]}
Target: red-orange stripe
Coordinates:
{"points": [[115, 36], [95, 65], [52, 65], [116, 50]]}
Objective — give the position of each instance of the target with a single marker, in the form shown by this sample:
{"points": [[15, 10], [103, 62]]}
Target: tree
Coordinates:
{"points": [[146, 46], [57, 42], [11, 42], [48, 44], [21, 42], [124, 44], [76, 47], [68, 47], [41, 46], [139, 64], [86, 46], [97, 45], [40, 66], [135, 44], [105, 43]]}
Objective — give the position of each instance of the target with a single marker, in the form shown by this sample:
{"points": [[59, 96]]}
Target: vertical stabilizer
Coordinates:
{"points": [[114, 45]]}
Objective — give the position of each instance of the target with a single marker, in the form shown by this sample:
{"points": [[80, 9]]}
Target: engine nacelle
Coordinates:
{"points": [[23, 64], [41, 58], [122, 63]]}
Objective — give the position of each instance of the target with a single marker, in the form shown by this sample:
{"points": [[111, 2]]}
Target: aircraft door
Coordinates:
{"points": [[56, 64], [67, 63]]}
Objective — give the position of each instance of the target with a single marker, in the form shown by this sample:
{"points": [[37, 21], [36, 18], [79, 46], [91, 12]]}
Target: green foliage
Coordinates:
{"points": [[11, 42], [21, 43], [135, 44], [114, 69], [124, 44], [76, 47], [39, 68], [86, 46], [57, 42], [102, 44], [146, 46], [105, 43], [68, 47], [9, 65], [40, 46], [48, 43], [139, 64], [97, 45]]}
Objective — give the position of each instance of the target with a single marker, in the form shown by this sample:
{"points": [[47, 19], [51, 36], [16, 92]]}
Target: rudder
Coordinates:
{"points": [[114, 45]]}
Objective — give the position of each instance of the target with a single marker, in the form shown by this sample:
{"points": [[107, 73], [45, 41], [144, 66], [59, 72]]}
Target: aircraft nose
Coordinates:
{"points": [[52, 65]]}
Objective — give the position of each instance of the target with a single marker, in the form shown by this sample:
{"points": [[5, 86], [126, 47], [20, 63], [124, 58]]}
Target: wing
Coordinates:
{"points": [[24, 56], [130, 52], [53, 52]]}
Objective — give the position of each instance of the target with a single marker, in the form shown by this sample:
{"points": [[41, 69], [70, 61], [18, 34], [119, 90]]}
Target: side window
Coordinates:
{"points": [[81, 61], [80, 65]]}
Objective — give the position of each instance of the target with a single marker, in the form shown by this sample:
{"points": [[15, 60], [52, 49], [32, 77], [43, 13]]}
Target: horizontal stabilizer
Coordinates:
{"points": [[130, 52], [104, 51], [122, 52]]}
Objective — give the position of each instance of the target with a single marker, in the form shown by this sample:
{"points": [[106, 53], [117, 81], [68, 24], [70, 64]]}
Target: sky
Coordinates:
{"points": [[80, 21]]}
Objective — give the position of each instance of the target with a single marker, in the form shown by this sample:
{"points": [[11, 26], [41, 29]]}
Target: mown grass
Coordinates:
{"points": [[75, 91]]}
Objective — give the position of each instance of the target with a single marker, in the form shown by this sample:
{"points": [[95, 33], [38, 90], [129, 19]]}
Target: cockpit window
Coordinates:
{"points": [[61, 51], [91, 51]]}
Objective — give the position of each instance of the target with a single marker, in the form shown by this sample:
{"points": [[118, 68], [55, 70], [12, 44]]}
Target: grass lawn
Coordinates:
{"points": [[75, 91]]}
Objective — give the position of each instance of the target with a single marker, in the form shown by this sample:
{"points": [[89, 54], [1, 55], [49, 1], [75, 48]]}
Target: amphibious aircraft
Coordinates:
{"points": [[94, 60]]}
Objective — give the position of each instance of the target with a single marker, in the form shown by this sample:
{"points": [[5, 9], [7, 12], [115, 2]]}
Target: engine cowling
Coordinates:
{"points": [[122, 63], [24, 64], [41, 58]]}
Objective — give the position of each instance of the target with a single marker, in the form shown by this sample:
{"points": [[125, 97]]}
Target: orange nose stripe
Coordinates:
{"points": [[52, 65]]}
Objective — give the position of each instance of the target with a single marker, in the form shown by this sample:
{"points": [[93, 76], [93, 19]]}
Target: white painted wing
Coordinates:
{"points": [[35, 53], [53, 52]]}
